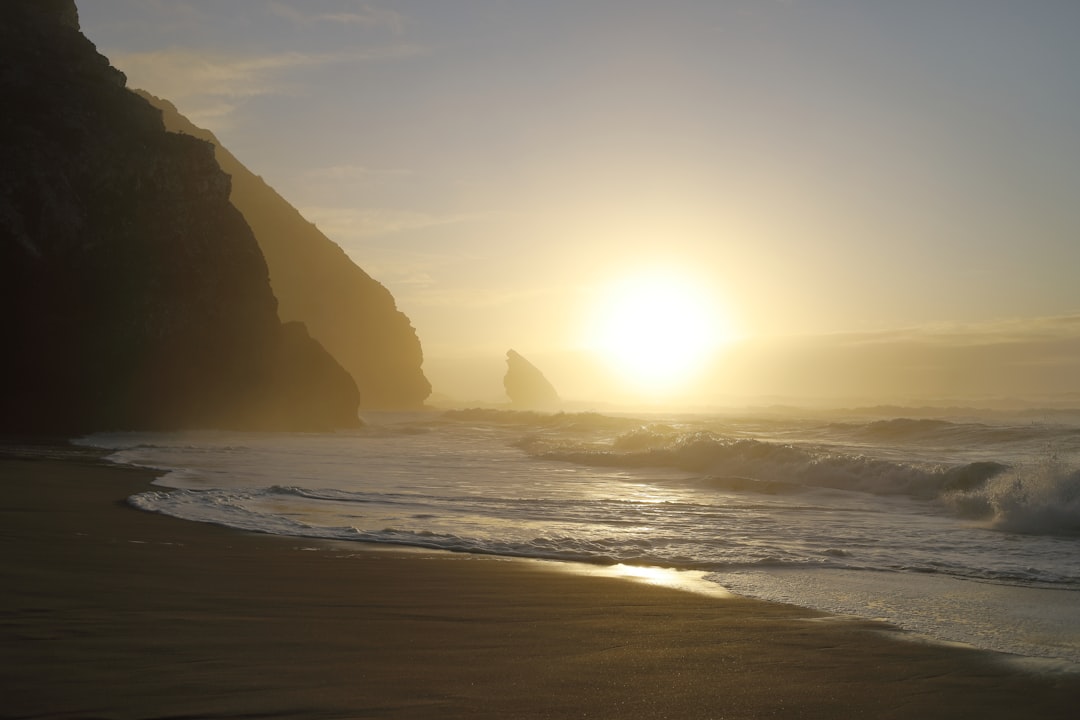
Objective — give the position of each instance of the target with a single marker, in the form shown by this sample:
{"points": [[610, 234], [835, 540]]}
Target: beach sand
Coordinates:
{"points": [[109, 612]]}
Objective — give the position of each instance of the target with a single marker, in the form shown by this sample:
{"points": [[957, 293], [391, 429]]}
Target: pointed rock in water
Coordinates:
{"points": [[134, 294], [526, 386], [351, 314]]}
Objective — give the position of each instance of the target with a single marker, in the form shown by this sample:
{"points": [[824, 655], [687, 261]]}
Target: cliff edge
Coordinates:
{"points": [[351, 314], [133, 293]]}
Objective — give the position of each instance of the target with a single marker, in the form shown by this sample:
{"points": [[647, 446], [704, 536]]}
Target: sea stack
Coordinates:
{"points": [[526, 386], [134, 294]]}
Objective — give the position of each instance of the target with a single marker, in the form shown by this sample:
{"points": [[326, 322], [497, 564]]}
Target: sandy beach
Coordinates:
{"points": [[109, 612]]}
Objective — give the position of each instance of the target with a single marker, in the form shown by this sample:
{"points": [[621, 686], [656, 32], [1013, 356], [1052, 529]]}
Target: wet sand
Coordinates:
{"points": [[109, 612]]}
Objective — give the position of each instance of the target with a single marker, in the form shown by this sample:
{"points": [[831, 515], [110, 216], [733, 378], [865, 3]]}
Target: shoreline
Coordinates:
{"points": [[114, 612]]}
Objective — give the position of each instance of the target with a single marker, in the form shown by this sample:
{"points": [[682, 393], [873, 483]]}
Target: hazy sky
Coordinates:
{"points": [[875, 168]]}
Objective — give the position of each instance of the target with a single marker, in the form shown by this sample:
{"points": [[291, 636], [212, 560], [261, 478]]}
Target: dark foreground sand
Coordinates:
{"points": [[108, 612]]}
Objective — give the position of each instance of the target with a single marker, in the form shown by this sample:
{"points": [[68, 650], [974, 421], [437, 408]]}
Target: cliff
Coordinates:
{"points": [[134, 295], [526, 386], [351, 314]]}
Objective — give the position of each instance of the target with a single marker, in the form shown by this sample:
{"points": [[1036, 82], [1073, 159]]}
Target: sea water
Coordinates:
{"points": [[960, 529]]}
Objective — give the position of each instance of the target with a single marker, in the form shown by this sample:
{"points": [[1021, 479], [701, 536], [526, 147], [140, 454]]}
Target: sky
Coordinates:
{"points": [[875, 200]]}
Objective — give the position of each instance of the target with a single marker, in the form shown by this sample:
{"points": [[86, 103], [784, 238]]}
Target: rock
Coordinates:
{"points": [[309, 388], [351, 314], [133, 293], [526, 386]]}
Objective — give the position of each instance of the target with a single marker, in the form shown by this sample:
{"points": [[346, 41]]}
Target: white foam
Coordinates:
{"points": [[465, 486], [1024, 621]]}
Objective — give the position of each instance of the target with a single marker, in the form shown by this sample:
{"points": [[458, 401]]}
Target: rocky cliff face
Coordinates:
{"points": [[351, 314], [526, 386], [134, 295]]}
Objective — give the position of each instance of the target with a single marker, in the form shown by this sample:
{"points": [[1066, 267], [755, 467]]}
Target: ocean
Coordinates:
{"points": [[961, 528]]}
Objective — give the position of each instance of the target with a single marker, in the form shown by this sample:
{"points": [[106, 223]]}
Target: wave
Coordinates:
{"points": [[735, 483], [342, 496], [190, 441], [945, 432], [758, 466], [1039, 499], [570, 421], [898, 428], [247, 510], [692, 548]]}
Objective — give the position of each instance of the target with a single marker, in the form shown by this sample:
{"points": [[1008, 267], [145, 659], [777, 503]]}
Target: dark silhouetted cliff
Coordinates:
{"points": [[316, 283], [526, 386], [133, 294]]}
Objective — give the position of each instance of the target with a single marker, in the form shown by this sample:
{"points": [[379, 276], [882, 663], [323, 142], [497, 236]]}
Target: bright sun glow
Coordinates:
{"points": [[658, 329]]}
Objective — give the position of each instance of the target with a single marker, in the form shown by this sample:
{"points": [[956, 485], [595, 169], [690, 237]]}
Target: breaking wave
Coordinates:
{"points": [[754, 465], [1038, 499], [944, 432]]}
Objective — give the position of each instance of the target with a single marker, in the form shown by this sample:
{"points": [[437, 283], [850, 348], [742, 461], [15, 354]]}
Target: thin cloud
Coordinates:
{"points": [[364, 14], [952, 364], [365, 234], [175, 17], [999, 332], [211, 86], [472, 298], [350, 223], [356, 174]]}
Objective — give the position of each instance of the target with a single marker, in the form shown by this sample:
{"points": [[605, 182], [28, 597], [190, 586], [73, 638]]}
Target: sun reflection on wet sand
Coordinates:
{"points": [[684, 580]]}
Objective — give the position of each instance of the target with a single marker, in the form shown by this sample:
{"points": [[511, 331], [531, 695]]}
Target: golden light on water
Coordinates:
{"points": [[657, 329]]}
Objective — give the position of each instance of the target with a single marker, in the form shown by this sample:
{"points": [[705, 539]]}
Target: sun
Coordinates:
{"points": [[658, 329]]}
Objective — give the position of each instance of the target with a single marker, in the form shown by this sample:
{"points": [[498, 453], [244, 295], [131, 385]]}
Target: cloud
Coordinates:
{"points": [[208, 85], [498, 297], [370, 237], [143, 19], [356, 174], [351, 223], [365, 14], [1007, 331], [1037, 357]]}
